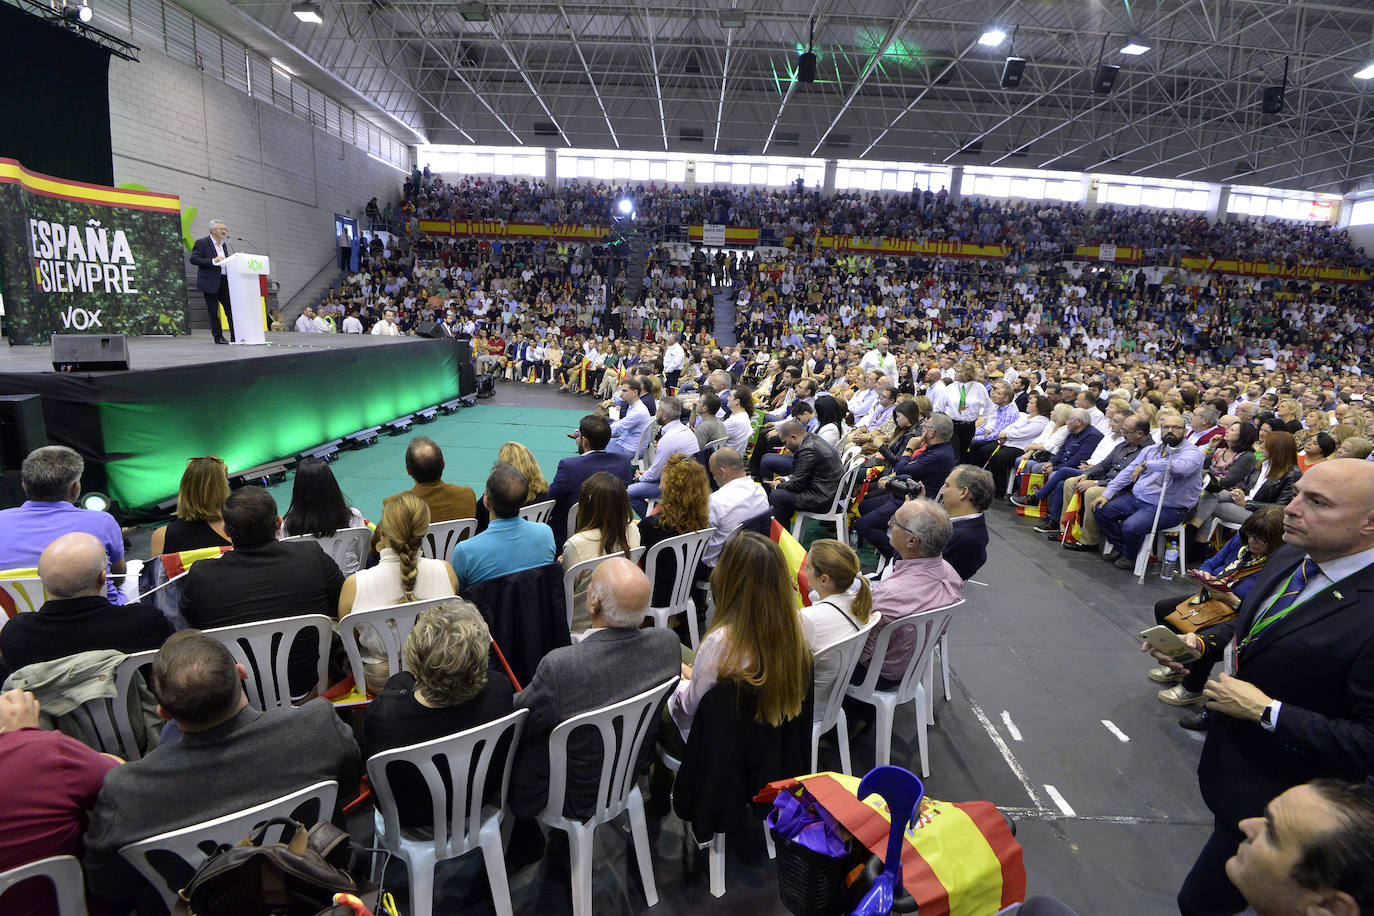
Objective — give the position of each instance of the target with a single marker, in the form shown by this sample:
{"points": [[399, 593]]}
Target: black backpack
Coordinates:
{"points": [[295, 878]]}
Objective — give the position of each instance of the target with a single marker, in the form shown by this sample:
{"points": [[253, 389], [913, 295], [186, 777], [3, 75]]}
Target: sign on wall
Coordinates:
{"points": [[81, 258], [713, 235]]}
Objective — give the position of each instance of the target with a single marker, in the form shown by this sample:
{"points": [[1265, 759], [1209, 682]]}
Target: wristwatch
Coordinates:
{"points": [[1267, 717]]}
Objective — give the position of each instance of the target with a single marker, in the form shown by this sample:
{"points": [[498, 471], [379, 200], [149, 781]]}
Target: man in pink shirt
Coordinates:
{"points": [[919, 580]]}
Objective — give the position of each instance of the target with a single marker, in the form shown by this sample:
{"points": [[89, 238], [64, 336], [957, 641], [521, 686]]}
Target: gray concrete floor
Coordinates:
{"points": [[1042, 654]]}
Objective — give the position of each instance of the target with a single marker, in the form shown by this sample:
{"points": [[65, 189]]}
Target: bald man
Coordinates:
{"points": [[78, 617], [1299, 704], [614, 662]]}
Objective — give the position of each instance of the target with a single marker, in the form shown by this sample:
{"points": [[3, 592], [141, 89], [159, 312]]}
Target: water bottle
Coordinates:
{"points": [[1166, 570]]}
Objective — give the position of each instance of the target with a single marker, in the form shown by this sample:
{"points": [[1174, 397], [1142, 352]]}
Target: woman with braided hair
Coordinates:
{"points": [[402, 576]]}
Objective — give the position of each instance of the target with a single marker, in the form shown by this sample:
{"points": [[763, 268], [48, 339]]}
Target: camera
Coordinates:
{"points": [[905, 488]]}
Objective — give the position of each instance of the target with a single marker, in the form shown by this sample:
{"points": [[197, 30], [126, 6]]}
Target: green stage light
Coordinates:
{"points": [[95, 501]]}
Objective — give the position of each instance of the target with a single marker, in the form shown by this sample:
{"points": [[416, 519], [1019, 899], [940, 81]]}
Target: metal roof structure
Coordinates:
{"points": [[908, 82]]}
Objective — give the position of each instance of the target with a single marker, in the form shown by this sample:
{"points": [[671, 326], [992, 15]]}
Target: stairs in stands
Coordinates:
{"points": [[725, 316]]}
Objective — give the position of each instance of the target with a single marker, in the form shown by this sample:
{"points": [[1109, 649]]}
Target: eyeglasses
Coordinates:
{"points": [[893, 523]]}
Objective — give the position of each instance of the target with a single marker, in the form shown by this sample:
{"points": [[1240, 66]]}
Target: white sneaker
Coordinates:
{"points": [[1178, 695]]}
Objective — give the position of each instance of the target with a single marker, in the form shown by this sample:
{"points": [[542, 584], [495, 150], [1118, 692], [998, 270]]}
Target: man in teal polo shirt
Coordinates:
{"points": [[510, 543]]}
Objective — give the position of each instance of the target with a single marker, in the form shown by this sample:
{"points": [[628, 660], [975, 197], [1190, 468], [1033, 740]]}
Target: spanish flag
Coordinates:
{"points": [[960, 858], [22, 591], [795, 555], [174, 564], [1073, 519]]}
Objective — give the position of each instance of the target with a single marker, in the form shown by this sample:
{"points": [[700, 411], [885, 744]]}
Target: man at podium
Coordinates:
{"points": [[206, 254]]}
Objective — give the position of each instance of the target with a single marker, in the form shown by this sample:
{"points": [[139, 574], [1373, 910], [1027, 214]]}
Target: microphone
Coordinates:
{"points": [[249, 242]]}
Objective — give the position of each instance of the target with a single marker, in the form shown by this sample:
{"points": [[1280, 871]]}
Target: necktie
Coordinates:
{"points": [[1283, 603], [963, 396]]}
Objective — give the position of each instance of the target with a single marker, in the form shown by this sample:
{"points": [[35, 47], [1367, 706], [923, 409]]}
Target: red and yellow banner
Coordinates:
{"points": [[959, 859], [795, 554], [734, 235], [11, 172], [500, 229]]}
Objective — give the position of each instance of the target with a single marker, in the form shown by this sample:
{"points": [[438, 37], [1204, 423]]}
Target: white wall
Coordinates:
{"points": [[1362, 237], [275, 179]]}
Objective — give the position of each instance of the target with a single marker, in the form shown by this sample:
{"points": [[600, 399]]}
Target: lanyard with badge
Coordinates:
{"points": [[1265, 619]]}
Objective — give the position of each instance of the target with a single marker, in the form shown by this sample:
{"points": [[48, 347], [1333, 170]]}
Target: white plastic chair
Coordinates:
{"points": [[26, 594], [538, 512], [442, 537], [585, 568], [264, 650], [389, 627], [65, 874], [929, 626], [847, 650], [1142, 558], [644, 452], [168, 860], [572, 519], [461, 822], [347, 547], [623, 727], [838, 513], [108, 722], [688, 549]]}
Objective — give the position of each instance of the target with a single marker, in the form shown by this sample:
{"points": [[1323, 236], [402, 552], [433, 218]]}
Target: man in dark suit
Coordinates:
{"points": [[1300, 704], [206, 254], [929, 469], [593, 434], [815, 476], [263, 578], [966, 495], [573, 680]]}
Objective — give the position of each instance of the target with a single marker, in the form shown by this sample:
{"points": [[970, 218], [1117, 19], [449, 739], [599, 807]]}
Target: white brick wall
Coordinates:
{"points": [[272, 177]]}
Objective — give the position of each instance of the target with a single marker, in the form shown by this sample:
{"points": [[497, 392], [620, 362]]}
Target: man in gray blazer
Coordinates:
{"points": [[616, 661], [230, 756]]}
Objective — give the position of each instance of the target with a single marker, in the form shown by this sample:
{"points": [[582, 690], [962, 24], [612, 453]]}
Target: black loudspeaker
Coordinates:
{"points": [[1105, 79], [1273, 100], [1012, 71], [89, 352], [21, 428], [427, 329], [806, 67]]}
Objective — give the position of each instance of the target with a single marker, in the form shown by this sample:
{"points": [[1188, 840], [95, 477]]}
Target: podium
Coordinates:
{"points": [[247, 275]]}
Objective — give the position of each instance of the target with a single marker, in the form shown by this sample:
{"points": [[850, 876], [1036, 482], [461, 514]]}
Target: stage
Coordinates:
{"points": [[183, 397]]}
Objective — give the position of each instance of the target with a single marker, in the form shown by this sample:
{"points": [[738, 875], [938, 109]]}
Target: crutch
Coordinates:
{"points": [[1142, 557]]}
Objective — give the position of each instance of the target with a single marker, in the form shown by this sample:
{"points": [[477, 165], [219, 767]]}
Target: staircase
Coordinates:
{"points": [[725, 316]]}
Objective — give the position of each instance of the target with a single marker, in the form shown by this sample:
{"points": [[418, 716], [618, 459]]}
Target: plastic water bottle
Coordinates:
{"points": [[1166, 570]]}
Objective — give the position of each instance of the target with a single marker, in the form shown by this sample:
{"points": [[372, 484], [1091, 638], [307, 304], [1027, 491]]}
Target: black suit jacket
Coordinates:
{"points": [[567, 483], [66, 626], [930, 467], [208, 274], [816, 473], [1319, 662], [967, 549], [278, 579]]}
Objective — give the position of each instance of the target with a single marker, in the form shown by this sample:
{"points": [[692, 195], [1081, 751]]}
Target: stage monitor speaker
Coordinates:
{"points": [[464, 351], [1273, 100], [89, 352], [806, 67], [427, 329], [21, 428], [1012, 71], [1105, 79]]}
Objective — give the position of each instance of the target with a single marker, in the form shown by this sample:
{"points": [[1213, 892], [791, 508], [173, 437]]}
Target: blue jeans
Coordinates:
{"points": [[1053, 490], [1125, 522], [776, 466], [640, 494]]}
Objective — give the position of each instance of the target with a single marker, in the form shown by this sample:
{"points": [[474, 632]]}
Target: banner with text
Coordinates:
{"points": [[79, 258]]}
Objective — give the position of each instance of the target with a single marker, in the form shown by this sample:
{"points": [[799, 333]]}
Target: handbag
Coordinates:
{"points": [[1199, 612]]}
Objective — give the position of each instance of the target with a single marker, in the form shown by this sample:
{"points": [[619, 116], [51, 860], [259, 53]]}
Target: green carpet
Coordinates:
{"points": [[470, 440]]}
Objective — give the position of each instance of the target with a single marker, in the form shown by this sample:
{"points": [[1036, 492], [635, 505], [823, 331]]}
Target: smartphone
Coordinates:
{"points": [[1165, 640]]}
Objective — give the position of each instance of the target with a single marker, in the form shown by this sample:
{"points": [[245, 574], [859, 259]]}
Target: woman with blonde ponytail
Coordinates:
{"points": [[841, 604], [402, 575]]}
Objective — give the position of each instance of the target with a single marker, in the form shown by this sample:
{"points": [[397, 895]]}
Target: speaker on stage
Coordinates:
{"points": [[467, 372], [1272, 100], [21, 428], [427, 329], [89, 352]]}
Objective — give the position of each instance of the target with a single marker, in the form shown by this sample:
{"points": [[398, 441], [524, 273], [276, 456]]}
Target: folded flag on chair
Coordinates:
{"points": [[795, 554], [960, 858], [1028, 483], [1073, 519]]}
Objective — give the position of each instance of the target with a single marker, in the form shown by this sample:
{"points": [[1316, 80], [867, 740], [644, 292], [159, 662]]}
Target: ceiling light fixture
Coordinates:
{"points": [[1366, 73], [992, 37], [307, 12], [474, 12], [1135, 47], [731, 19]]}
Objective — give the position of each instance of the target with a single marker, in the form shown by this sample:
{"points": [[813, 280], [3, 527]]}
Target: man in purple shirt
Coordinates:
{"points": [[51, 476]]}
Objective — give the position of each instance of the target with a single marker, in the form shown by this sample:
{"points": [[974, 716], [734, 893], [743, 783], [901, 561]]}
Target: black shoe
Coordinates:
{"points": [[1124, 563], [1048, 528], [1081, 548], [1022, 502], [221, 340], [1195, 721]]}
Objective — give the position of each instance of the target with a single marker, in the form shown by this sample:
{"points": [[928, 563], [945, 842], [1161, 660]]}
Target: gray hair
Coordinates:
{"points": [[977, 481], [1082, 415], [720, 375], [1207, 413], [927, 521], [447, 652], [941, 425], [49, 472], [616, 611], [671, 406], [218, 222]]}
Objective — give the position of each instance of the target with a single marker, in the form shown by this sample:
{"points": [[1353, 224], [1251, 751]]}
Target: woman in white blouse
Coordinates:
{"points": [[739, 426], [1034, 429], [841, 605]]}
